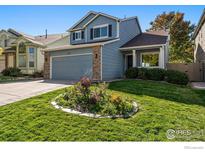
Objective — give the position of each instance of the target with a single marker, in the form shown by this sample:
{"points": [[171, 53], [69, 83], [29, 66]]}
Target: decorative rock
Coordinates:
{"points": [[94, 115]]}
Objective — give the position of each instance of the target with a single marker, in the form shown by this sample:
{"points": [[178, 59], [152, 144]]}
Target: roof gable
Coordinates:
{"points": [[83, 20], [88, 18]]}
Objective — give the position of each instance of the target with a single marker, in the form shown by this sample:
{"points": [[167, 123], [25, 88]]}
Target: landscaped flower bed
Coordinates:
{"points": [[94, 101]]}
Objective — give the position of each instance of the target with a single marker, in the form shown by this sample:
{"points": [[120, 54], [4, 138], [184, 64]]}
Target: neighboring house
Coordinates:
{"points": [[24, 51], [103, 47], [199, 38]]}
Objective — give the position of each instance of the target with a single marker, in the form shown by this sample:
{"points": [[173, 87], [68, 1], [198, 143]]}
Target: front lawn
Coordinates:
{"points": [[162, 106]]}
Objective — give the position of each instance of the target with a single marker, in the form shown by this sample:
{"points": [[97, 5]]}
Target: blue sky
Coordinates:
{"points": [[57, 19]]}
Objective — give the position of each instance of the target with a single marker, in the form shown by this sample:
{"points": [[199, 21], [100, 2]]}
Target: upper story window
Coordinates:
{"points": [[100, 31], [78, 35], [22, 48], [6, 43]]}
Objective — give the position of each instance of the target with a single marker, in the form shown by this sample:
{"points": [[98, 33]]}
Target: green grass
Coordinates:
{"points": [[6, 78], [162, 107]]}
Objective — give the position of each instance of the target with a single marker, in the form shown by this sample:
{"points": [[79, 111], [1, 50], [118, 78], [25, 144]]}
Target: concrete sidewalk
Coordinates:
{"points": [[198, 85], [16, 91]]}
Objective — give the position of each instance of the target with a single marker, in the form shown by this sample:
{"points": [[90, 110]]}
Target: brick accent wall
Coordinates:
{"points": [[46, 65], [97, 63]]}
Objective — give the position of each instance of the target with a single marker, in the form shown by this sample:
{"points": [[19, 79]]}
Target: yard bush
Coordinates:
{"points": [[94, 99], [176, 77], [143, 73], [11, 71], [37, 74], [157, 74], [131, 73]]}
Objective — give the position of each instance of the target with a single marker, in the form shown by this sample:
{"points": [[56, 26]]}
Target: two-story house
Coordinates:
{"points": [[24, 51], [102, 47], [199, 38]]}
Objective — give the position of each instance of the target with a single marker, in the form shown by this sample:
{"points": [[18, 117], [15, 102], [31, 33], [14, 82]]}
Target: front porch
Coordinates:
{"points": [[144, 57], [148, 49]]}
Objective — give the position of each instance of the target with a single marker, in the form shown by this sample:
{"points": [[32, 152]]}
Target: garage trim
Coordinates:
{"points": [[71, 55]]}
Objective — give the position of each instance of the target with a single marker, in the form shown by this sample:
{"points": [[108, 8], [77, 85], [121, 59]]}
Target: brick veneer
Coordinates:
{"points": [[46, 65], [97, 63]]}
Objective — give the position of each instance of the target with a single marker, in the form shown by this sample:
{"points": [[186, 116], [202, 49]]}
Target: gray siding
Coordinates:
{"points": [[112, 61], [100, 20], [76, 41], [82, 23], [112, 58]]}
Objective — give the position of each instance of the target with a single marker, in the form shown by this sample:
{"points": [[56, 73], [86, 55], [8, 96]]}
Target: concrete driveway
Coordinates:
{"points": [[16, 91]]}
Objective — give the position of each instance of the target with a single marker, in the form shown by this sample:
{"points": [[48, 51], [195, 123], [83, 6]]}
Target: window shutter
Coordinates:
{"points": [[82, 34], [110, 30], [91, 33], [74, 36]]}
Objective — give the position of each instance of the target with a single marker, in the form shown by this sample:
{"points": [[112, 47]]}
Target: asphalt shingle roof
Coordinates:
{"points": [[148, 38]]}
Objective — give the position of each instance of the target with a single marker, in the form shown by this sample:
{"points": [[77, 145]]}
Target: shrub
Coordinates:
{"points": [[157, 74], [131, 73], [14, 72], [95, 99], [176, 77], [109, 109], [37, 74], [142, 73]]}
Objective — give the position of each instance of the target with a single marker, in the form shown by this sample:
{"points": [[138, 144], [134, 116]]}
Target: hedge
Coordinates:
{"points": [[158, 74]]}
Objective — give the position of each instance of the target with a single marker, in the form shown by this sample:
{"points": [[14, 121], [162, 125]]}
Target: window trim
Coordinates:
{"points": [[22, 54], [80, 38], [147, 53], [33, 57], [100, 26]]}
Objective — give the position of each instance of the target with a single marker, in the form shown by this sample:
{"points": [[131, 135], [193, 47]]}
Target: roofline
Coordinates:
{"points": [[201, 20], [97, 15], [67, 35], [87, 14], [30, 40], [140, 47], [130, 18], [78, 46], [139, 24]]}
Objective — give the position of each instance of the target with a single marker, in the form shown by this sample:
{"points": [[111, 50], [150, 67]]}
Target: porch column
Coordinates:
{"points": [[161, 57], [134, 58]]}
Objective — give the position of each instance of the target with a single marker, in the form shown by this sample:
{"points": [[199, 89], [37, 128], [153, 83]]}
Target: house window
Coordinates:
{"points": [[100, 31], [150, 59], [22, 55], [77, 35], [5, 43], [22, 48], [31, 57], [22, 60]]}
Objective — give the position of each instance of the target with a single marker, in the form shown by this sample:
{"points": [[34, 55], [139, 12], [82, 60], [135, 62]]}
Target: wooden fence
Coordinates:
{"points": [[195, 71]]}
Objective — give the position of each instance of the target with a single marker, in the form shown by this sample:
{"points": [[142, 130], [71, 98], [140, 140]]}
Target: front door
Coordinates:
{"points": [[129, 61], [10, 60]]}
